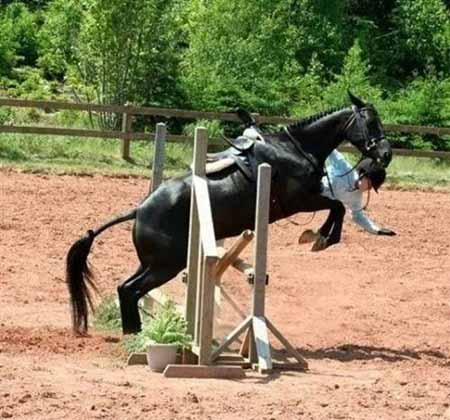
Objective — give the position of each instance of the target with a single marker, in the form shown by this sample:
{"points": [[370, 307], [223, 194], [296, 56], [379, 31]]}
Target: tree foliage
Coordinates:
{"points": [[18, 37], [113, 52], [59, 36], [270, 56], [423, 39], [254, 53]]}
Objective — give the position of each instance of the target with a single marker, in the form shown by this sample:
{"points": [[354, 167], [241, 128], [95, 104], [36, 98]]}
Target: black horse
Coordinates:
{"points": [[160, 233]]}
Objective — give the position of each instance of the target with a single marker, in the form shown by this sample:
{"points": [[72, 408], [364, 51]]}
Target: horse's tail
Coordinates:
{"points": [[79, 277]]}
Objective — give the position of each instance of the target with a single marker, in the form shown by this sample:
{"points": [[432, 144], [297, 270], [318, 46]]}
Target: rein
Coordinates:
{"points": [[352, 169], [299, 149], [292, 222]]}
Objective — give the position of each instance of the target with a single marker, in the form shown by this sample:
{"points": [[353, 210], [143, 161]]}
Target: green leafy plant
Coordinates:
{"points": [[166, 327], [107, 315]]}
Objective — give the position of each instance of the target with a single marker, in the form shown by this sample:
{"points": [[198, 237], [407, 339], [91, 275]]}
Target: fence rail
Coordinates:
{"points": [[128, 111]]}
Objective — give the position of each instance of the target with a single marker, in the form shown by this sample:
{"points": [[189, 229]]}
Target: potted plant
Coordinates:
{"points": [[162, 337]]}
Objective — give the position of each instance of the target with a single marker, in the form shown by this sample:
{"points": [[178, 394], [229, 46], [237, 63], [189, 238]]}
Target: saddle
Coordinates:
{"points": [[242, 154], [239, 152], [237, 155]]}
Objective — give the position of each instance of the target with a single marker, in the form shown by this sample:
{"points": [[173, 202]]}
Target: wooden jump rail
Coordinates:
{"points": [[128, 111]]}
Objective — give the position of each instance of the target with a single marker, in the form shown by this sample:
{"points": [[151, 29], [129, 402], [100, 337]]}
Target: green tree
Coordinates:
{"points": [[127, 52], [24, 32], [18, 40], [58, 37], [354, 76], [423, 38], [254, 53], [8, 47], [370, 21], [113, 52], [32, 4]]}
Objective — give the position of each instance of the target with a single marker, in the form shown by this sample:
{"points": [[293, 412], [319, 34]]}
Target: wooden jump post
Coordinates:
{"points": [[207, 263], [202, 256], [257, 324], [159, 156]]}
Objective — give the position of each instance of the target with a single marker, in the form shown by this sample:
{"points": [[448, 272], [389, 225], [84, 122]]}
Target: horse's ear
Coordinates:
{"points": [[245, 117], [355, 100]]}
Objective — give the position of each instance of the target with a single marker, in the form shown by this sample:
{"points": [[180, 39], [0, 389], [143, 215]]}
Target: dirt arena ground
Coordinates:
{"points": [[371, 315]]}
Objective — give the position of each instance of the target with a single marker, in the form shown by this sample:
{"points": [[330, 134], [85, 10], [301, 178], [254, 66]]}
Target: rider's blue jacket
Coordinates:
{"points": [[343, 188]]}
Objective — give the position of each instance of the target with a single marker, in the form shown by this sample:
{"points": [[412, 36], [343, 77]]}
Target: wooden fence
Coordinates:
{"points": [[127, 134]]}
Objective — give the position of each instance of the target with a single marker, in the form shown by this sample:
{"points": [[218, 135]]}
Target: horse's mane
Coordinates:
{"points": [[308, 120]]}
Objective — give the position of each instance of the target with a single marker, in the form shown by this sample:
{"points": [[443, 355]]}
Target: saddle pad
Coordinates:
{"points": [[219, 165]]}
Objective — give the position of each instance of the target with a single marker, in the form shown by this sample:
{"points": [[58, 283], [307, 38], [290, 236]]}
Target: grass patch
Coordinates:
{"points": [[66, 155], [419, 172], [107, 315], [53, 154]]}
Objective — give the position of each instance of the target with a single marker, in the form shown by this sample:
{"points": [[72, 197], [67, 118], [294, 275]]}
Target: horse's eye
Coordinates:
{"points": [[372, 125]]}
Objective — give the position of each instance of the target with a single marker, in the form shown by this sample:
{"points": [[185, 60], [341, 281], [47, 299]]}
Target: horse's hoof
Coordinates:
{"points": [[308, 236], [320, 244]]}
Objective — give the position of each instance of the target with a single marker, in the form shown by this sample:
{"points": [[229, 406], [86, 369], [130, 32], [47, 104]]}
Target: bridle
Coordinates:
{"points": [[370, 143]]}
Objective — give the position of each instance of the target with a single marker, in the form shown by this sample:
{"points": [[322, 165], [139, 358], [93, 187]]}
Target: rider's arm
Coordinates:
{"points": [[354, 203], [361, 219]]}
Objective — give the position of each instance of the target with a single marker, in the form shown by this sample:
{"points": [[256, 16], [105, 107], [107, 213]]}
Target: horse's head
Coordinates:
{"points": [[365, 131]]}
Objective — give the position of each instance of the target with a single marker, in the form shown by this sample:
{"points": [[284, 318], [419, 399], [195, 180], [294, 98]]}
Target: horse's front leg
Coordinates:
{"points": [[325, 229], [331, 230]]}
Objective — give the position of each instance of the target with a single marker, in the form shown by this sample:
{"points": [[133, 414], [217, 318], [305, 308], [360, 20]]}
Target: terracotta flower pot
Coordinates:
{"points": [[161, 355]]}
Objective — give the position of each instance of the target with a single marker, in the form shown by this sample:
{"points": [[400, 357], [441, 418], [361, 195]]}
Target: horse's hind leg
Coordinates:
{"points": [[137, 286], [126, 312]]}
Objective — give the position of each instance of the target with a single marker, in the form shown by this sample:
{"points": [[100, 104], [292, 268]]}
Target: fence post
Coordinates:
{"points": [[127, 120], [159, 156]]}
